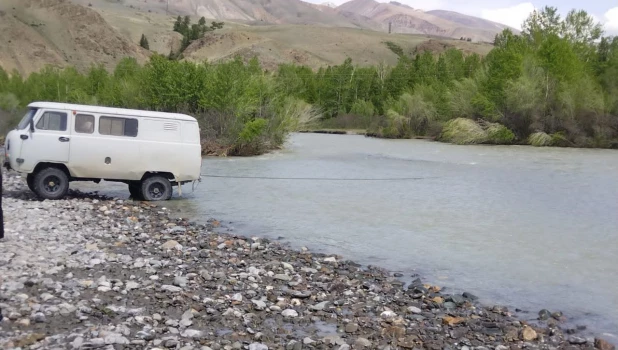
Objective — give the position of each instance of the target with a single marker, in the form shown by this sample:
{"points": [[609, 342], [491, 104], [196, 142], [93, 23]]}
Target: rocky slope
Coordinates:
{"points": [[35, 33], [90, 272]]}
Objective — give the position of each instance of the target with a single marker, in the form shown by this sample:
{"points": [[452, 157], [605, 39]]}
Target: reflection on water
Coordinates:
{"points": [[530, 227]]}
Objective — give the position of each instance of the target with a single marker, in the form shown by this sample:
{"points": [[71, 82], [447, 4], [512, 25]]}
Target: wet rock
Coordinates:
{"points": [[470, 296], [544, 315], [602, 344]]}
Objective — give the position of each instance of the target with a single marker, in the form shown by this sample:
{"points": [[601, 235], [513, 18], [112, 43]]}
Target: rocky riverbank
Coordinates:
{"points": [[91, 272]]}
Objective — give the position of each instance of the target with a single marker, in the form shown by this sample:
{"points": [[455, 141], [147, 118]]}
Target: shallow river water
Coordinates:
{"points": [[521, 226]]}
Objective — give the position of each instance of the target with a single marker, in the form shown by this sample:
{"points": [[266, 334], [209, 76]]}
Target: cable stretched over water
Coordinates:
{"points": [[317, 178]]}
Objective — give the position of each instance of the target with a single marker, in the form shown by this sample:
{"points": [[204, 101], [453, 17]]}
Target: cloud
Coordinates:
{"points": [[611, 21], [512, 16]]}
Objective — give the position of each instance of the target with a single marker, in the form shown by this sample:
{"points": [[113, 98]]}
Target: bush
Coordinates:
{"points": [[499, 134], [539, 139], [463, 131]]}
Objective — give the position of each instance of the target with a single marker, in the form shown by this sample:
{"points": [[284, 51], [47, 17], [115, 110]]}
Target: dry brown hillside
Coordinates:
{"points": [[34, 33]]}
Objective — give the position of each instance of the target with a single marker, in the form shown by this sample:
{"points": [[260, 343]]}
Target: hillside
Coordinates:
{"points": [[244, 11], [367, 14], [405, 19], [34, 33], [314, 46]]}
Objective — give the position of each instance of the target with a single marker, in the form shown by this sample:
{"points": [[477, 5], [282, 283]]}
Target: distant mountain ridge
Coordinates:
{"points": [[404, 19], [365, 14]]}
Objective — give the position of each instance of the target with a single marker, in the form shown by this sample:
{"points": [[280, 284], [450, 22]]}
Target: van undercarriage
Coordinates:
{"points": [[51, 181]]}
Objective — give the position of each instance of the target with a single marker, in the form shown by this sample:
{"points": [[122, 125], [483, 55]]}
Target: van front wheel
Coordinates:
{"points": [[156, 188], [51, 183]]}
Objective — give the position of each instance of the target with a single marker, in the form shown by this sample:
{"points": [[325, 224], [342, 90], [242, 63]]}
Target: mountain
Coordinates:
{"points": [[245, 11], [80, 33], [470, 21], [35, 33], [405, 19]]}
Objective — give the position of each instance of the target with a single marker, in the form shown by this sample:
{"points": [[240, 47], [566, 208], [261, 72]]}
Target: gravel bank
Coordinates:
{"points": [[91, 272]]}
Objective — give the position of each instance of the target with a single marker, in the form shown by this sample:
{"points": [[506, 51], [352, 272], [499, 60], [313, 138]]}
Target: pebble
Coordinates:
{"points": [[289, 313]]}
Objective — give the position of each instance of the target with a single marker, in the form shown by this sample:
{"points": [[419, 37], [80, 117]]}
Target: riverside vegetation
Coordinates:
{"points": [[554, 84]]}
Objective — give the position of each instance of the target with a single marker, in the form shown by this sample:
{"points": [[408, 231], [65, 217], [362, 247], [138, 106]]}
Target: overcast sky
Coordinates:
{"points": [[514, 12]]}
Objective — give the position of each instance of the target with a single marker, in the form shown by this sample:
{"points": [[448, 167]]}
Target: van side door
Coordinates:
{"points": [[50, 141]]}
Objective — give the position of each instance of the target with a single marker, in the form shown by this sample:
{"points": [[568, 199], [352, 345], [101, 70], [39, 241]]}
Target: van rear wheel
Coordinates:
{"points": [[156, 188], [51, 183]]}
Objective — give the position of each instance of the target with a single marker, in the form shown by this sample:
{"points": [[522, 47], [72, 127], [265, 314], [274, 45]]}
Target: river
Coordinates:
{"points": [[526, 227]]}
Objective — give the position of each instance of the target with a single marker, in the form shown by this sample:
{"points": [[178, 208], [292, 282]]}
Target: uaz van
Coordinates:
{"points": [[56, 143]]}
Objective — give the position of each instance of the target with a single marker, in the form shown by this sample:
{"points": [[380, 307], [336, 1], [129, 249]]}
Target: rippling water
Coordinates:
{"points": [[528, 227]]}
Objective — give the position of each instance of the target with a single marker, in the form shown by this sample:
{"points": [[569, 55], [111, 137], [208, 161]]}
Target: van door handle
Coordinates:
{"points": [[63, 139]]}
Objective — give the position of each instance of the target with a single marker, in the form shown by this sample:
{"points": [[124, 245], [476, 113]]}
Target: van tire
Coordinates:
{"points": [[135, 189], [156, 188], [55, 177]]}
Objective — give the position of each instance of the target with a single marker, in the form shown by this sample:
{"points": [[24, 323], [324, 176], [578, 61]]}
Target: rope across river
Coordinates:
{"points": [[317, 178]]}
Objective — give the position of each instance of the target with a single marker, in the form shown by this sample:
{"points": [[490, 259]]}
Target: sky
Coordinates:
{"points": [[514, 12]]}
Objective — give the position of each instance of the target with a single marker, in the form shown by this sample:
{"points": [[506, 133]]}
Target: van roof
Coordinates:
{"points": [[111, 110]]}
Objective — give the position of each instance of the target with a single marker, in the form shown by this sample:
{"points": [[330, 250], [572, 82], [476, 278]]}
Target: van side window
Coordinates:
{"points": [[55, 121], [118, 126], [84, 123]]}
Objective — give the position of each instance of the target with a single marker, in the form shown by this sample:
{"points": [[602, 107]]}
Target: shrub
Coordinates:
{"points": [[499, 134], [463, 131], [539, 139]]}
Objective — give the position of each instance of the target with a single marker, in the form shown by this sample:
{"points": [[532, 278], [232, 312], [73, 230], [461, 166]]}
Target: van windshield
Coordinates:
{"points": [[26, 119]]}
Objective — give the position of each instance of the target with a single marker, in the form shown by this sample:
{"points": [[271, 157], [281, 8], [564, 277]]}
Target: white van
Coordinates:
{"points": [[56, 143]]}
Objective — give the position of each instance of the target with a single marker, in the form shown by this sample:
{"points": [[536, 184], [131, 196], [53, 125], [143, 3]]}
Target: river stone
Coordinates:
{"points": [[528, 334], [414, 310], [351, 328], [602, 344], [362, 343], [289, 313], [319, 306], [544, 315], [169, 288], [282, 277]]}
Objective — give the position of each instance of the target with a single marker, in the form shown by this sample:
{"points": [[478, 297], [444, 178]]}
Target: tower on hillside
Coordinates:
{"points": [[389, 27]]}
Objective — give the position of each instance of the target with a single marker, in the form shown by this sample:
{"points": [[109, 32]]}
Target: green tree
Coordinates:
{"points": [[143, 42]]}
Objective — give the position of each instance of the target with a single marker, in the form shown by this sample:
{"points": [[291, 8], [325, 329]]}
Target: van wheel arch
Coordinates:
{"points": [[166, 175], [41, 166]]}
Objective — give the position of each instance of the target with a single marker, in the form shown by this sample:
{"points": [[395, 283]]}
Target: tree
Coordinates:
{"points": [[144, 42]]}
